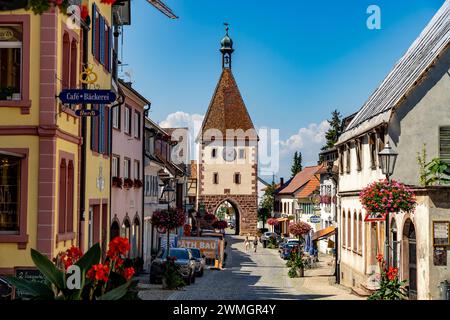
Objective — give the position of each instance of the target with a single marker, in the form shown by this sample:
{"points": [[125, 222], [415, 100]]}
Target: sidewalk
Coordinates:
{"points": [[321, 280]]}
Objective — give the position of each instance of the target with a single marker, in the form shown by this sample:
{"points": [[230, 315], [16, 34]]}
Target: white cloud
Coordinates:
{"points": [[307, 140]]}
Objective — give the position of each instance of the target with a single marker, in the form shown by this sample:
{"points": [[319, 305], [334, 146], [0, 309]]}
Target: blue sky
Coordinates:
{"points": [[295, 60]]}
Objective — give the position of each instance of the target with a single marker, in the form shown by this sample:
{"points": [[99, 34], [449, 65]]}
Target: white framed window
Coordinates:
{"points": [[116, 117], [126, 168], [11, 61], [115, 166], [137, 125], [127, 120], [241, 153], [136, 170]]}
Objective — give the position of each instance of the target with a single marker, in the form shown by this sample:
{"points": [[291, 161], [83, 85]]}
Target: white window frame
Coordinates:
{"points": [[126, 168], [242, 154], [116, 117], [15, 45], [115, 166], [137, 170], [136, 117], [126, 124]]}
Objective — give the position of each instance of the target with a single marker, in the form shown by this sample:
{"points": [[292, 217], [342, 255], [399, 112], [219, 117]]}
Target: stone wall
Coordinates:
{"points": [[246, 206]]}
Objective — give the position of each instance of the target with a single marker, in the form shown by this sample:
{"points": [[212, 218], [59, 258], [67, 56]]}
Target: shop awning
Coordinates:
{"points": [[282, 219], [324, 233]]}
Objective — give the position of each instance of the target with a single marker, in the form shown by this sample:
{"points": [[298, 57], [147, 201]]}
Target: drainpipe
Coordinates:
{"points": [[145, 115], [85, 30]]}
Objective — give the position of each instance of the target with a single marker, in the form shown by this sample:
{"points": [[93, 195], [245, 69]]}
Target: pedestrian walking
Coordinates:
{"points": [[247, 244], [255, 243]]}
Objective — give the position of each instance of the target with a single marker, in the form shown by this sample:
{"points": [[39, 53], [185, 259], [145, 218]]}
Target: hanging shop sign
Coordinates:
{"points": [[87, 113], [315, 219], [87, 96], [375, 216]]}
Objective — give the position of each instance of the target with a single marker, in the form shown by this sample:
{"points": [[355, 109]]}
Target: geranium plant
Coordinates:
{"points": [[117, 182], [172, 277], [128, 183], [220, 224], [387, 196], [209, 217], [391, 288], [273, 221], [97, 280], [137, 183]]}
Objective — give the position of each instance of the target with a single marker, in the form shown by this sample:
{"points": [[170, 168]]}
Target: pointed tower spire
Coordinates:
{"points": [[226, 49]]}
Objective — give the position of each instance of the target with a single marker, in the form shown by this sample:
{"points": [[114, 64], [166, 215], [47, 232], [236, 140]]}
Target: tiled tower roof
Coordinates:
{"points": [[227, 109]]}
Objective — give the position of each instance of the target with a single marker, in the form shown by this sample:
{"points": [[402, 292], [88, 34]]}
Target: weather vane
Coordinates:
{"points": [[226, 24]]}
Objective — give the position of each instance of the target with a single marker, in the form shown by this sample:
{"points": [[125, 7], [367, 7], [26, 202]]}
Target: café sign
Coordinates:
{"points": [[87, 113], [87, 96]]}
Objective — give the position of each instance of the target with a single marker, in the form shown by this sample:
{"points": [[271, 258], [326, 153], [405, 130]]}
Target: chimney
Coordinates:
{"points": [[281, 181]]}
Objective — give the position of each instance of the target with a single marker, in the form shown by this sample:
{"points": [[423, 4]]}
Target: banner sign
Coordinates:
{"points": [[87, 113], [84, 96], [377, 216]]}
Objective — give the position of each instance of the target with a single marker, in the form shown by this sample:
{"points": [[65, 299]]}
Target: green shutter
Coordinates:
{"points": [[444, 144]]}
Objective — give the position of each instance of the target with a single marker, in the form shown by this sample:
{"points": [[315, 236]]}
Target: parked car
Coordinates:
{"points": [[286, 250], [184, 260], [287, 241], [200, 261], [267, 235]]}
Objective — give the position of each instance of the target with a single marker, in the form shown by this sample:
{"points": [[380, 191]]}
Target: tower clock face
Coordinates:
{"points": [[229, 154]]}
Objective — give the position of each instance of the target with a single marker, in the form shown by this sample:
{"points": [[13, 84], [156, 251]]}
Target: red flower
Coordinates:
{"points": [[117, 247], [128, 273], [392, 273], [380, 257], [98, 272], [71, 256]]}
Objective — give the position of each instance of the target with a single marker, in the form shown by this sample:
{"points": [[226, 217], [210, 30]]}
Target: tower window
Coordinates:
{"points": [[214, 153], [241, 153], [237, 178], [216, 178]]}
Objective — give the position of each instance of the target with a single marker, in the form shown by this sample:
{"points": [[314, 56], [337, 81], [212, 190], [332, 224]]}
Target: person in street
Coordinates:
{"points": [[255, 243], [247, 243]]}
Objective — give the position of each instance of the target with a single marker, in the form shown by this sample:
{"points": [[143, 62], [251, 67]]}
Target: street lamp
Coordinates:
{"points": [[387, 158], [167, 190]]}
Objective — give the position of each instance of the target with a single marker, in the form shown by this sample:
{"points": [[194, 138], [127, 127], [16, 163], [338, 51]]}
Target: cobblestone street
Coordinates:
{"points": [[255, 276]]}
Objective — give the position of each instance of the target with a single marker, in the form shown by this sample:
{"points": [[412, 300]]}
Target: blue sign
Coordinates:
{"points": [[82, 96], [315, 219], [87, 113]]}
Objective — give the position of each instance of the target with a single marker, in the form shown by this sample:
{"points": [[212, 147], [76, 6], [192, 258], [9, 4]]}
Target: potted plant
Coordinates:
{"points": [[172, 278], [117, 182], [391, 288], [100, 280], [220, 224], [299, 229], [167, 220]]}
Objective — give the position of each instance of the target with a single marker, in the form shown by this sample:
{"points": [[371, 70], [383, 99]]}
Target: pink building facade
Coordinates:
{"points": [[127, 168]]}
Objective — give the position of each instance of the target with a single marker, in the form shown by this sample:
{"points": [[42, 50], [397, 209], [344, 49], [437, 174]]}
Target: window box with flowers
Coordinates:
{"points": [[128, 183], [117, 182], [42, 6], [137, 183]]}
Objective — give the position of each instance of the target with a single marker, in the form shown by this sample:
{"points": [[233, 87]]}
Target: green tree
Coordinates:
{"points": [[336, 129], [220, 214], [296, 163], [263, 215], [267, 201]]}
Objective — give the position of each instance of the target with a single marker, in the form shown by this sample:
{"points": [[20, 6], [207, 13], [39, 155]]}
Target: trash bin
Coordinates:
{"points": [[264, 243], [444, 289]]}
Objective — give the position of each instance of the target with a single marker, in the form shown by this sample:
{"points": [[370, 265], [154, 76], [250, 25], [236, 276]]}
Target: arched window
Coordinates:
{"points": [[135, 239], [355, 232], [349, 230], [66, 61], [115, 230], [62, 197], [70, 196], [343, 224], [73, 64], [360, 233]]}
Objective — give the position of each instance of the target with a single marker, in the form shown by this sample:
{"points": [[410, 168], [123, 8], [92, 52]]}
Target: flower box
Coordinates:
{"points": [[137, 183], [128, 183], [117, 182]]}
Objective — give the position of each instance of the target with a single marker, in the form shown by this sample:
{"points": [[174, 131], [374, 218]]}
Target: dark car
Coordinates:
{"points": [[184, 260], [200, 261], [286, 250], [285, 241]]}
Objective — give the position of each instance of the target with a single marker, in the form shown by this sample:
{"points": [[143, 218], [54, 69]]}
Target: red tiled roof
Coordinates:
{"points": [[227, 109], [301, 179], [311, 186]]}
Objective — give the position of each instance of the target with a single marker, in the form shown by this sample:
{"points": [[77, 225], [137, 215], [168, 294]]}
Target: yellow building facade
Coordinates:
{"points": [[41, 139]]}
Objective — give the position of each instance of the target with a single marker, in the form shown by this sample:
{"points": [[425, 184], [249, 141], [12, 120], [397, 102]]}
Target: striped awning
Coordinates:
{"points": [[324, 233]]}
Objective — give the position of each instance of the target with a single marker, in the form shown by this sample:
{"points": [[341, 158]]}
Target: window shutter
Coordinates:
{"points": [[94, 30], [101, 129], [444, 144], [110, 49], [93, 130], [102, 40], [107, 130]]}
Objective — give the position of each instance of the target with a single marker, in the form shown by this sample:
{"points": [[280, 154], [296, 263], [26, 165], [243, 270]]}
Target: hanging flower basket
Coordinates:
{"points": [[384, 197], [220, 224], [209, 217], [299, 228], [273, 222]]}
